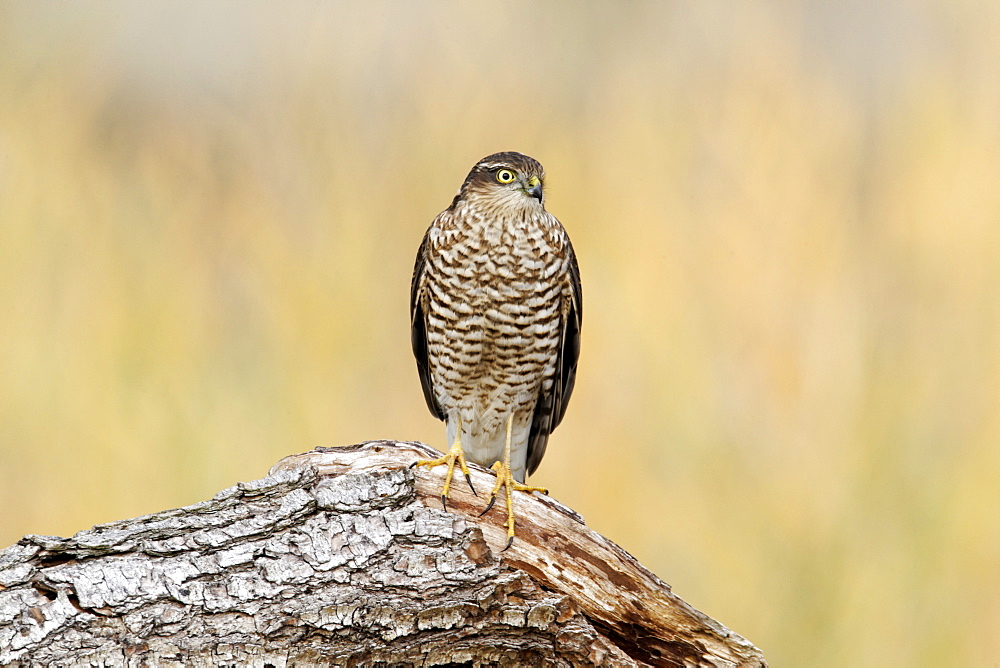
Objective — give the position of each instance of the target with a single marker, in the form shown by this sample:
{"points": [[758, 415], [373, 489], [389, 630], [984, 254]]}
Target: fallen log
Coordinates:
{"points": [[344, 557]]}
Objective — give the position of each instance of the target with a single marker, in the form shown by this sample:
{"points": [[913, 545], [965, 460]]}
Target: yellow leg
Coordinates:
{"points": [[506, 480], [455, 454]]}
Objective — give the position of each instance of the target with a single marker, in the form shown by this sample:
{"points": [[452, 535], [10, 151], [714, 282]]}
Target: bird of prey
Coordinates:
{"points": [[496, 309]]}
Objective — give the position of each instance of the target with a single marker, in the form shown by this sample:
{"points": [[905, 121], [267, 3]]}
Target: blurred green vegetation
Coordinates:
{"points": [[788, 224]]}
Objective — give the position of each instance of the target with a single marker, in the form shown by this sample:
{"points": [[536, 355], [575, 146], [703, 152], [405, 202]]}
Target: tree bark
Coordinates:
{"points": [[344, 557]]}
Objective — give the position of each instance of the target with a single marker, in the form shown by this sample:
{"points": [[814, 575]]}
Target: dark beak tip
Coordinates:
{"points": [[536, 192]]}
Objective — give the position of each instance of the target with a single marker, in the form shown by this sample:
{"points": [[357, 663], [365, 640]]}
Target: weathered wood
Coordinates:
{"points": [[343, 556]]}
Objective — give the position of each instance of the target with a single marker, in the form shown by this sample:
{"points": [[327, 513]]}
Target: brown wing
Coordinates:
{"points": [[551, 406], [418, 330]]}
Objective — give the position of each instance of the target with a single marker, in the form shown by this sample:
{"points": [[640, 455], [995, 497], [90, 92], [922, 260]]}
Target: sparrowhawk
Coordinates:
{"points": [[496, 309]]}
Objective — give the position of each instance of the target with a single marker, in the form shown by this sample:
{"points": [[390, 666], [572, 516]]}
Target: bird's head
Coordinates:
{"points": [[506, 179]]}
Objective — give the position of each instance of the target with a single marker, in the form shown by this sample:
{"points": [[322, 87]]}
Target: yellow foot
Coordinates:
{"points": [[454, 455], [506, 480]]}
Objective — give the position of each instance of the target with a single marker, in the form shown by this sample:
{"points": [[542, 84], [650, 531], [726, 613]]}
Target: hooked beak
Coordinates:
{"points": [[534, 188]]}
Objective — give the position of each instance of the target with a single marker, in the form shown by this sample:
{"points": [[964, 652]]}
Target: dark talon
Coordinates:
{"points": [[413, 464], [510, 541], [468, 479], [444, 502], [493, 499]]}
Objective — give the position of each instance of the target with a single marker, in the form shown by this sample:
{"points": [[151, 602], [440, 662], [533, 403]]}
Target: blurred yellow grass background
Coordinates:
{"points": [[788, 223]]}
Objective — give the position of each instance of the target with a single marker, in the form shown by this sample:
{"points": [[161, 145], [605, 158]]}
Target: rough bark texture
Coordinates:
{"points": [[343, 556]]}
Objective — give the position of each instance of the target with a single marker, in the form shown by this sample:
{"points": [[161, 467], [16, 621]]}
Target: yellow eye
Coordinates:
{"points": [[505, 176]]}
